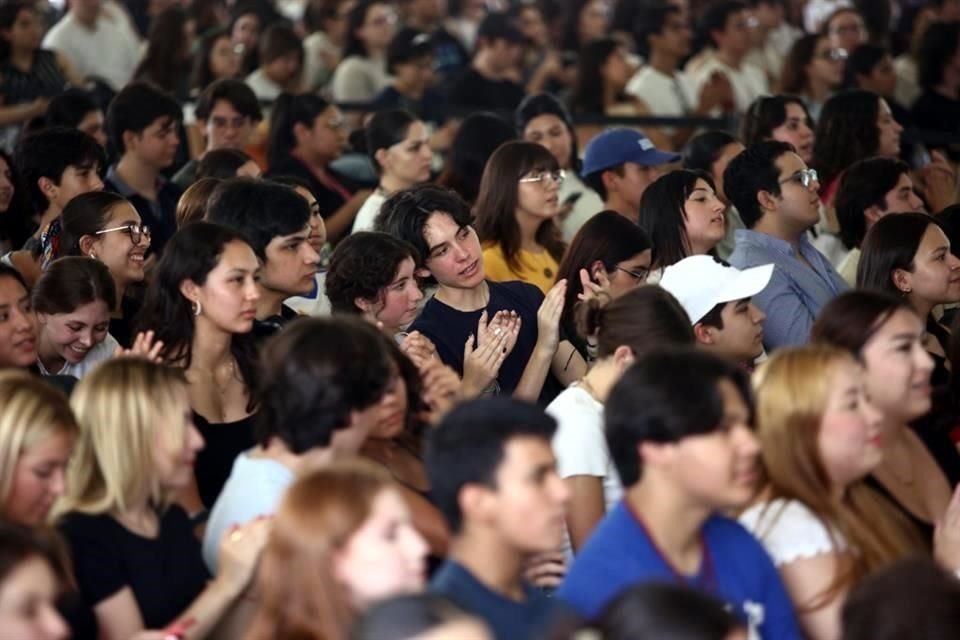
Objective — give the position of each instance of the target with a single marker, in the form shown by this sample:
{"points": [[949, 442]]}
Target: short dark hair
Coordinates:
{"points": [[852, 318], [665, 397], [891, 244], [408, 45], [664, 611], [47, 153], [766, 114], [937, 47], [260, 210], [705, 148], [595, 180], [469, 445], [650, 20], [70, 283], [751, 172], [316, 372], [406, 616], [362, 265], [716, 14], [288, 111], [663, 217], [478, 137], [865, 184], [238, 93], [69, 108], [279, 40], [405, 213], [136, 107], [884, 606], [221, 163], [861, 62]]}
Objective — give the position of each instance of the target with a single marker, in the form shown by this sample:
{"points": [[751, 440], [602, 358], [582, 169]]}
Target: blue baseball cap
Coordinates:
{"points": [[615, 147]]}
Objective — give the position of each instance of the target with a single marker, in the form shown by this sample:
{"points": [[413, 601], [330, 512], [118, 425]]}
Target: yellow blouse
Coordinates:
{"points": [[539, 269]]}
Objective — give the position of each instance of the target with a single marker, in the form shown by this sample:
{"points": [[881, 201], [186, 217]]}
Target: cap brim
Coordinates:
{"points": [[655, 157], [748, 283]]}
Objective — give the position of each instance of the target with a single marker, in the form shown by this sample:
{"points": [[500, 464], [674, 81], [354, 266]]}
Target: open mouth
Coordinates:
{"points": [[472, 269]]}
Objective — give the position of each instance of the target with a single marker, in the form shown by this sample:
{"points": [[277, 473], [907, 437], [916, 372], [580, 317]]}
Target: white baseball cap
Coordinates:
{"points": [[700, 283]]}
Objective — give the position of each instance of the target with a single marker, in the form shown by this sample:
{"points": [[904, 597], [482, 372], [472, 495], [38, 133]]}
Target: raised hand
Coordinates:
{"points": [[144, 346], [419, 348], [240, 551], [596, 287], [548, 317], [441, 389]]}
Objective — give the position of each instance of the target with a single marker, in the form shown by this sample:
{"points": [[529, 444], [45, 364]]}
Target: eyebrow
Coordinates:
{"points": [[704, 189]]}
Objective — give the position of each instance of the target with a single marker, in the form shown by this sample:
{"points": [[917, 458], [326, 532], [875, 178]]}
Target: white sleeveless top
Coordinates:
{"points": [[789, 531]]}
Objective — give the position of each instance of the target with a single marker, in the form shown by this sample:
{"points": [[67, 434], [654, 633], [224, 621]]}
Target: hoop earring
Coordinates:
{"points": [[197, 308], [93, 255]]}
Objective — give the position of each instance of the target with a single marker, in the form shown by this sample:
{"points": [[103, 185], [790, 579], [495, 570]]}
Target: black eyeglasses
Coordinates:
{"points": [[136, 231]]}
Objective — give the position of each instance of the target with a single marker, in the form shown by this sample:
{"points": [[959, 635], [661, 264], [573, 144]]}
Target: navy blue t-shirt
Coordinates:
{"points": [[449, 328], [508, 619], [736, 569]]}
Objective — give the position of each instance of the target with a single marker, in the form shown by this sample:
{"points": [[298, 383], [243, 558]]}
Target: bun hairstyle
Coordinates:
{"points": [[642, 319]]}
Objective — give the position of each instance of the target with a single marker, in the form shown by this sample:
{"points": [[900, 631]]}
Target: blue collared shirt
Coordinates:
{"points": [[796, 293]]}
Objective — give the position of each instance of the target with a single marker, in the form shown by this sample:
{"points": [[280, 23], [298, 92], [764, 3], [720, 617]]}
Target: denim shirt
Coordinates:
{"points": [[796, 293]]}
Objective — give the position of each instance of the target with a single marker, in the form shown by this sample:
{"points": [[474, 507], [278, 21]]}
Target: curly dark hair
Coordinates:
{"points": [[362, 266]]}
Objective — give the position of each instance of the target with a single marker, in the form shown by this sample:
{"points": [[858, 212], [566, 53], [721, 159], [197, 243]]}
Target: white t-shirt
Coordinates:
{"points": [[315, 304], [580, 445], [789, 531], [587, 205], [664, 95], [749, 81], [254, 489], [358, 79], [368, 212], [263, 87], [96, 355], [111, 50]]}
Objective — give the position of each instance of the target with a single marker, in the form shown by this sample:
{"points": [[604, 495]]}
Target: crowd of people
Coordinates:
{"points": [[503, 320]]}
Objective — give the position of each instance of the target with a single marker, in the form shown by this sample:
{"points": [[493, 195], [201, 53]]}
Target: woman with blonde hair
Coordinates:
{"points": [[37, 430], [135, 557], [342, 539], [823, 526]]}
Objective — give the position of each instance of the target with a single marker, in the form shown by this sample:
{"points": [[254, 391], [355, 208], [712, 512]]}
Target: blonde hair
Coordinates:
{"points": [[792, 390], [300, 595], [122, 406], [31, 410], [192, 206]]}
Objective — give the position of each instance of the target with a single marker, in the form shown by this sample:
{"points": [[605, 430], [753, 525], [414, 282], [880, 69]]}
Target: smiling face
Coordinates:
{"points": [[849, 436], [796, 130], [18, 325], [703, 219], [28, 603], [116, 249], [385, 556], [177, 444], [898, 368], [38, 479], [69, 337], [454, 257], [228, 297], [408, 162]]}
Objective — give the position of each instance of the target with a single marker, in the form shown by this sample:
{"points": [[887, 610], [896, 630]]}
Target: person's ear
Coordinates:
{"points": [[365, 305], [87, 243], [422, 272], [902, 280], [597, 268], [130, 139], [705, 334], [767, 201], [47, 187], [623, 357], [871, 214], [477, 502], [610, 180], [190, 290], [300, 131], [381, 156]]}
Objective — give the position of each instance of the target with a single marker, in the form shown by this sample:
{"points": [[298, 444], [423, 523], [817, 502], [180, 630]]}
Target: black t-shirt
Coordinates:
{"points": [[165, 573], [328, 199], [449, 328], [933, 112], [223, 442], [477, 92]]}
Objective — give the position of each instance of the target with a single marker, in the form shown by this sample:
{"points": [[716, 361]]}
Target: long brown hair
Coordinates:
{"points": [[301, 598], [497, 202], [792, 392]]}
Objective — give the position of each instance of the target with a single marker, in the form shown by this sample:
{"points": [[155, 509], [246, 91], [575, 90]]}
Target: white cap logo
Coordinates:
{"points": [[645, 144]]}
